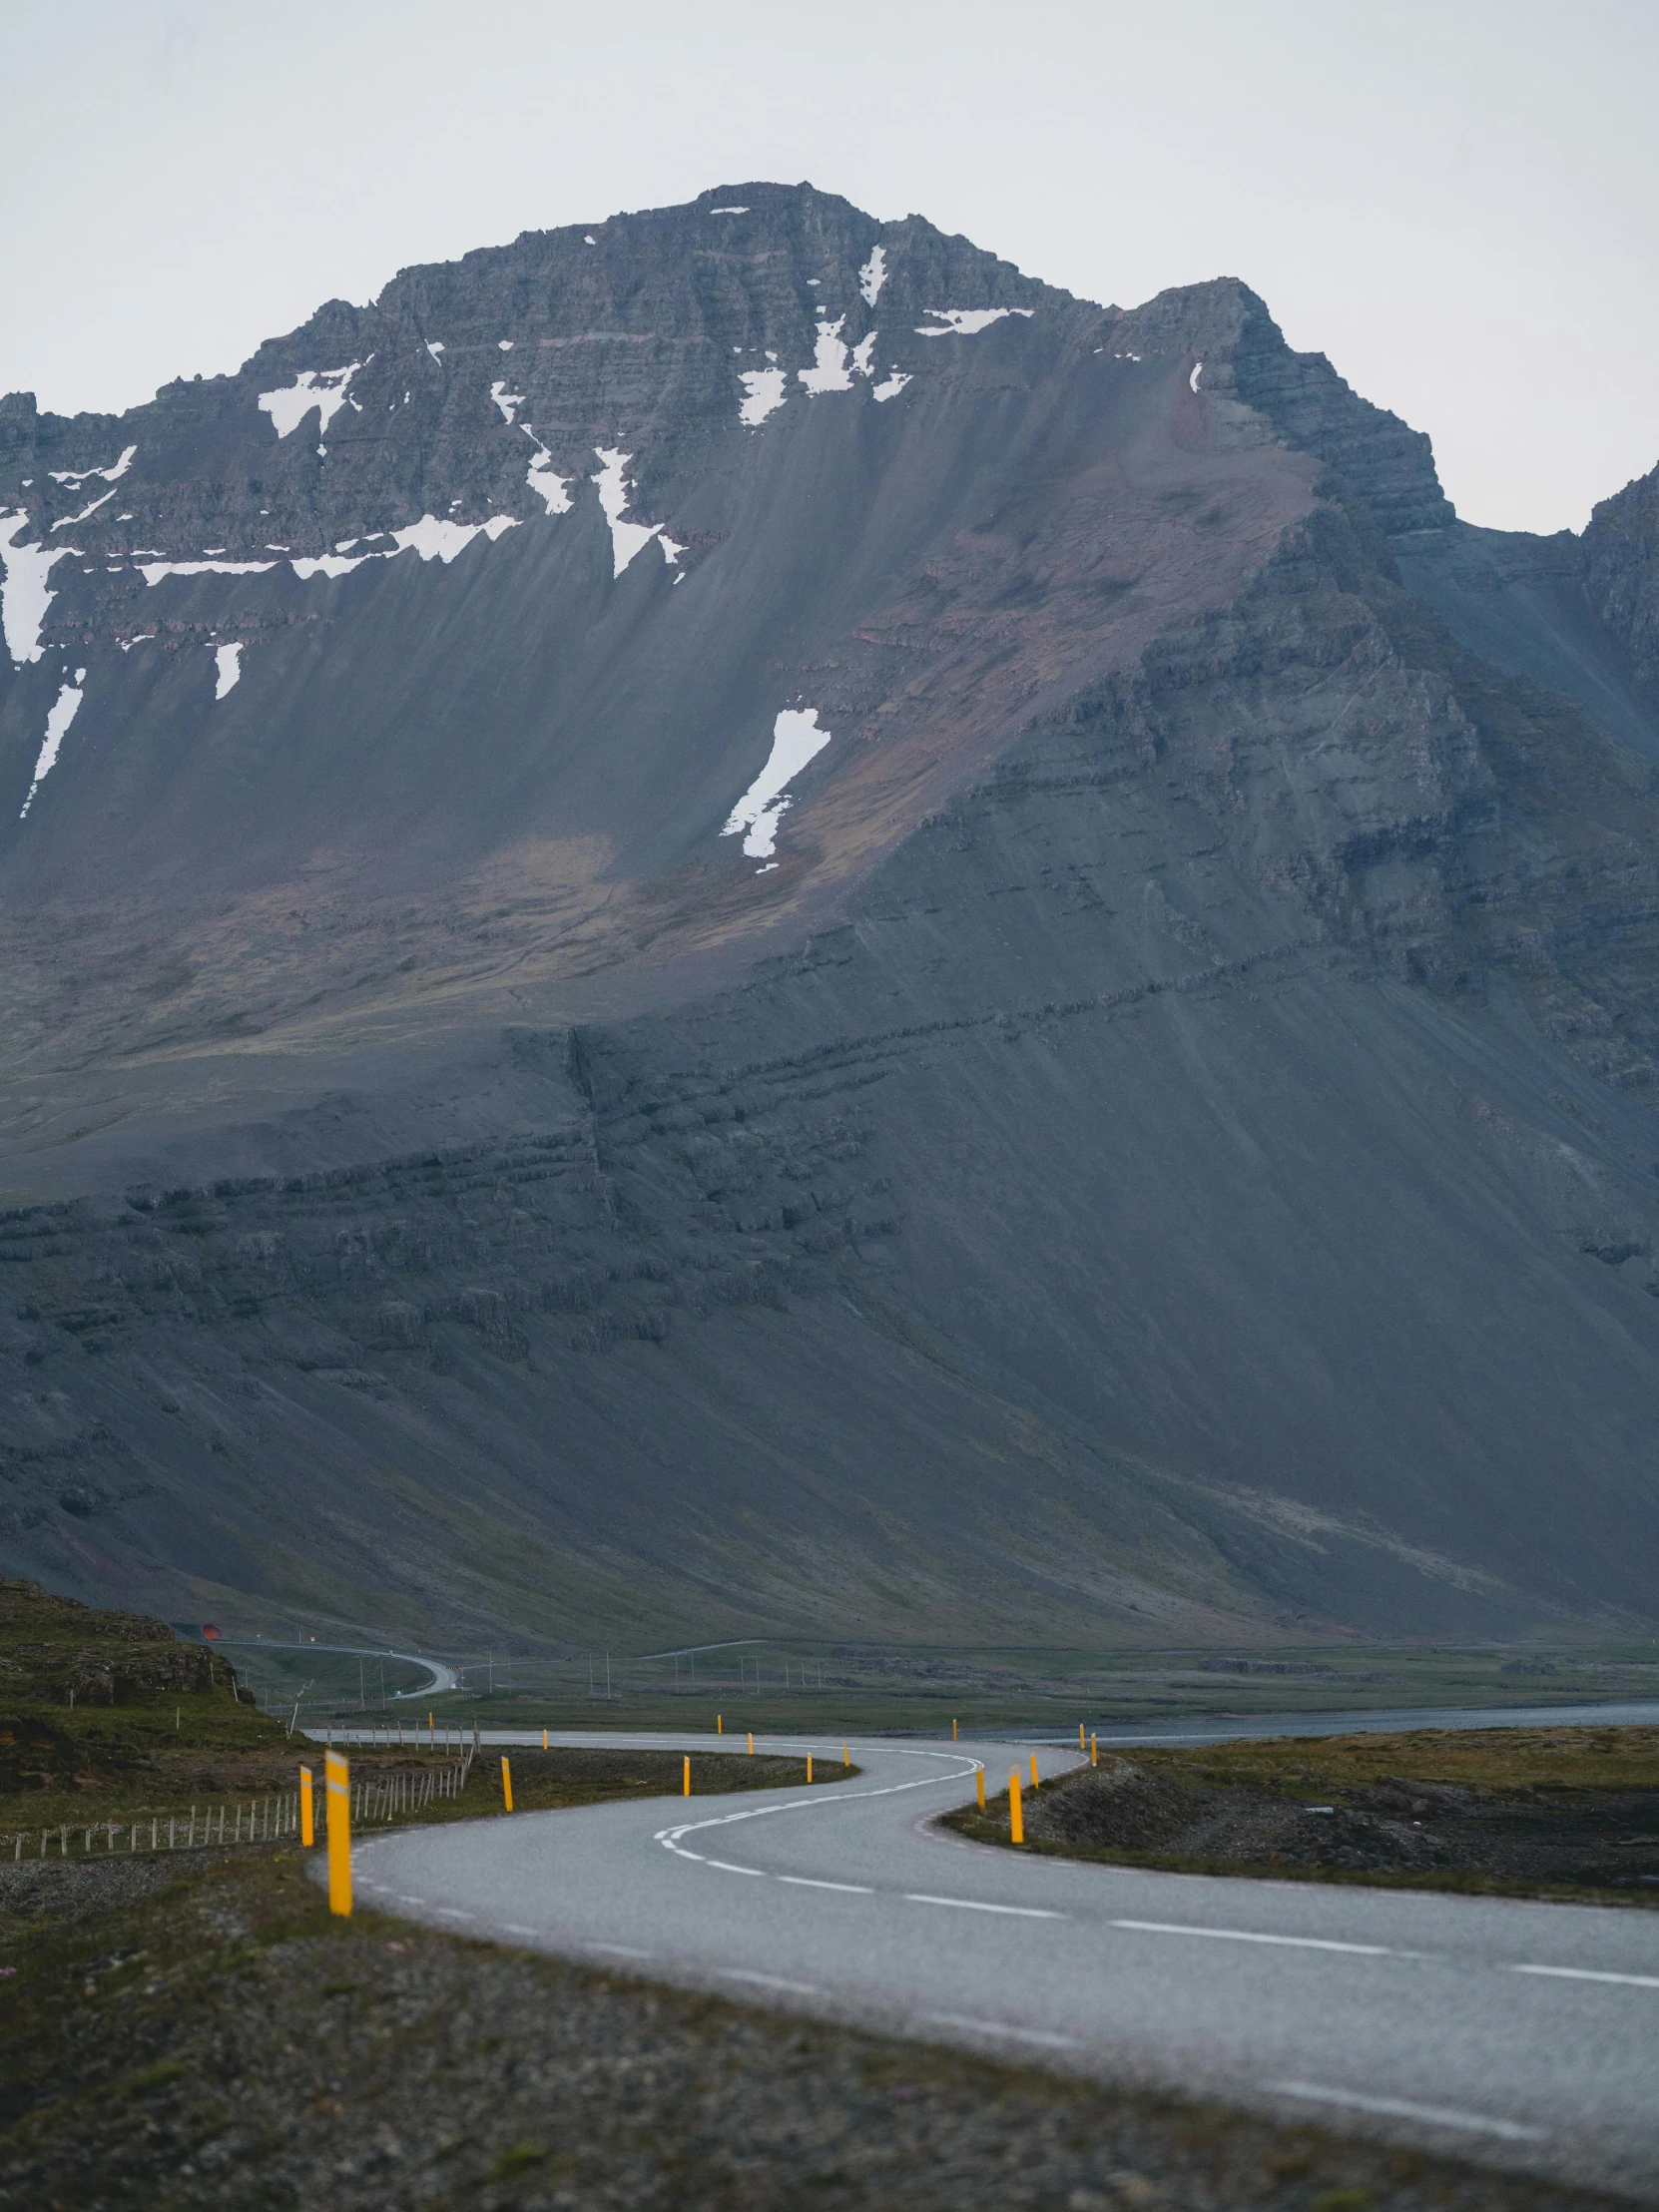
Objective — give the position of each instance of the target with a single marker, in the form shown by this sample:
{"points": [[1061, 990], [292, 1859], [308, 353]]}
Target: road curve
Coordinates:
{"points": [[1520, 2033], [440, 1675]]}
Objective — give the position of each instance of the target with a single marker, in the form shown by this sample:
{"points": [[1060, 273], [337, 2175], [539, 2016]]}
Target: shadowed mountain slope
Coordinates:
{"points": [[944, 964]]}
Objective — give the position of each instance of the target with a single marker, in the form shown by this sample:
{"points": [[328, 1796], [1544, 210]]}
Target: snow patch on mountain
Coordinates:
{"points": [[765, 388], [76, 477], [626, 538], [891, 384], [65, 522], [796, 740], [829, 370], [322, 389], [228, 667], [544, 479], [443, 541], [153, 571], [25, 597], [331, 564], [508, 402], [966, 323], [64, 709]]}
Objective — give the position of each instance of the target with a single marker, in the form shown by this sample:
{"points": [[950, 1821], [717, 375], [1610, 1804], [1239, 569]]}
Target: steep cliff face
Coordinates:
{"points": [[1144, 1131], [1621, 547]]}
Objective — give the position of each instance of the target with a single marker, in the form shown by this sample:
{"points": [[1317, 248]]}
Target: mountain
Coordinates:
{"points": [[734, 923]]}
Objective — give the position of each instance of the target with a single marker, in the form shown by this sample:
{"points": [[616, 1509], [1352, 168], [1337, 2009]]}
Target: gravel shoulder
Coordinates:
{"points": [[196, 2030]]}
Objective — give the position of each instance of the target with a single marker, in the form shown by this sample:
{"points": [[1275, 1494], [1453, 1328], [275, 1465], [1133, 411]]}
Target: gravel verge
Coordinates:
{"points": [[199, 2032]]}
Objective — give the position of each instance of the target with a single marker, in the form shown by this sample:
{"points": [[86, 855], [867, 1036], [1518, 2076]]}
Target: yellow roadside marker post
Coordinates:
{"points": [[953, 1731], [808, 1766], [338, 1784], [752, 1743], [1016, 1820], [847, 1757], [432, 1732], [1080, 1735], [1094, 1751], [1033, 1770], [981, 1779], [544, 1739], [687, 1775], [506, 1783], [308, 1833], [719, 1724]]}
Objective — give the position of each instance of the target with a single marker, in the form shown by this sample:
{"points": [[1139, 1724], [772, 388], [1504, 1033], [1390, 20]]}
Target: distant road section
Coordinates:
{"points": [[440, 1676]]}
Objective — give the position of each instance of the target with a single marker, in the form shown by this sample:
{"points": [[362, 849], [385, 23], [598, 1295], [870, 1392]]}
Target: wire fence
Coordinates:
{"points": [[734, 1670], [264, 1820]]}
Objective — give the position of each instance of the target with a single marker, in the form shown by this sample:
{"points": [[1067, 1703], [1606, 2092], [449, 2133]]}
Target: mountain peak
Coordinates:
{"points": [[739, 853]]}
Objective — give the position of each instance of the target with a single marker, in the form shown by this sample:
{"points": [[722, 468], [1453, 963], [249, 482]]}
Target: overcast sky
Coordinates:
{"points": [[1456, 200]]}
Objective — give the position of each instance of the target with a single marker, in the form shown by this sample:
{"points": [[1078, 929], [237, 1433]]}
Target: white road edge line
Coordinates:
{"points": [[668, 1838], [517, 1927], [1249, 1935], [620, 1951], [448, 1913], [1589, 1973], [1000, 2027], [1403, 2108], [806, 1882], [768, 1981], [972, 1905]]}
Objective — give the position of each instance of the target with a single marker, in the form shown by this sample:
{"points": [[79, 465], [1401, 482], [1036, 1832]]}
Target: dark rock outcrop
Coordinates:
{"points": [[1622, 572]]}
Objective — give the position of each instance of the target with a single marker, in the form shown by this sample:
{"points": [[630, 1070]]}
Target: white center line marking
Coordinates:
{"points": [[620, 1951], [972, 1905], [515, 1928], [1249, 1935], [806, 1882], [1403, 2108], [1587, 1974], [1000, 2027], [726, 1867], [768, 1981]]}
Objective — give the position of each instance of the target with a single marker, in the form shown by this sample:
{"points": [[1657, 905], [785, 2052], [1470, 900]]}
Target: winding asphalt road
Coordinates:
{"points": [[1524, 2034]]}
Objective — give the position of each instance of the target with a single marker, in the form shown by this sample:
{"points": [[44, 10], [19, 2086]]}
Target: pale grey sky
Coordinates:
{"points": [[1456, 200]]}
